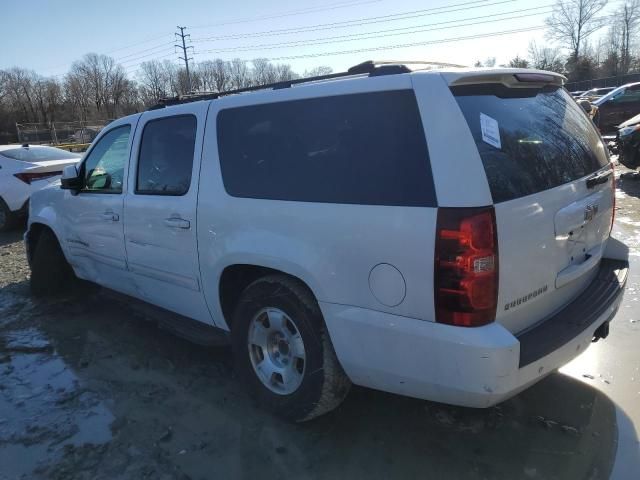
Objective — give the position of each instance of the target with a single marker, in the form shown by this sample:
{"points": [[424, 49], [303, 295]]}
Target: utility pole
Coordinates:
{"points": [[186, 57]]}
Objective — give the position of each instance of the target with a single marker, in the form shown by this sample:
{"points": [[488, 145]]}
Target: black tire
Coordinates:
{"points": [[324, 384], [7, 217], [51, 274]]}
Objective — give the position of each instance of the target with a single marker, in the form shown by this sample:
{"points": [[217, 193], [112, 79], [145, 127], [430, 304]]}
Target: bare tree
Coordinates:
{"points": [[284, 72], [263, 72], [154, 81], [19, 87], [317, 72], [489, 62], [572, 21], [48, 97], [518, 62], [77, 94], [545, 58], [222, 75], [629, 18], [206, 73], [239, 74]]}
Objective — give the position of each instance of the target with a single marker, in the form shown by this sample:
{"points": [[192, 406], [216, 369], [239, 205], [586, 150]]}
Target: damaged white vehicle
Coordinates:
{"points": [[440, 234]]}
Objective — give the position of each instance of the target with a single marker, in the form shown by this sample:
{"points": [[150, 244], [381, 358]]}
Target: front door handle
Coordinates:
{"points": [[110, 216], [177, 222]]}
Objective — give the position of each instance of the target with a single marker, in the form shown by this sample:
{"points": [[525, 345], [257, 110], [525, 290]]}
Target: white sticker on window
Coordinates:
{"points": [[490, 130]]}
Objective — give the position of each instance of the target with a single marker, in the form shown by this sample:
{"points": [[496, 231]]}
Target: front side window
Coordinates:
{"points": [[103, 169], [165, 161], [366, 148]]}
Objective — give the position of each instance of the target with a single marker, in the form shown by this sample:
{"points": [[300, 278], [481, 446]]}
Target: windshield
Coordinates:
{"points": [[38, 154], [611, 94]]}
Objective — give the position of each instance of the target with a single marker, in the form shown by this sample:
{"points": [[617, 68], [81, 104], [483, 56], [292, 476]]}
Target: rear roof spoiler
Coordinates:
{"points": [[512, 78]]}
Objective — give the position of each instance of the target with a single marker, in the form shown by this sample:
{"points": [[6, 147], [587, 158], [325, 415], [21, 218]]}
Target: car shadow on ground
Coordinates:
{"points": [[114, 395]]}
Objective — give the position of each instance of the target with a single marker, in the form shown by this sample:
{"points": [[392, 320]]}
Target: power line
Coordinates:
{"points": [[359, 22], [164, 35], [66, 65], [303, 11], [169, 49], [416, 44], [408, 45], [162, 46], [385, 33]]}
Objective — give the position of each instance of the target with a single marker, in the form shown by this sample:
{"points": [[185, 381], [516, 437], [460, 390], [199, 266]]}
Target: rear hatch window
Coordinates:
{"points": [[533, 139]]}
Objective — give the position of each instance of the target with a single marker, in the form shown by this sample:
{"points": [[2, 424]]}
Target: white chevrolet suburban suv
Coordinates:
{"points": [[441, 234]]}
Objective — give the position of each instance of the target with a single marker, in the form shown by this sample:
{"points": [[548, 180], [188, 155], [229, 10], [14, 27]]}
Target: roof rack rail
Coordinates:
{"points": [[369, 68]]}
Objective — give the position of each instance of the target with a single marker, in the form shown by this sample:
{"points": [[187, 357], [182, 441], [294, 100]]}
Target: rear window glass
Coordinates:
{"points": [[533, 140], [360, 149], [38, 154], [165, 161]]}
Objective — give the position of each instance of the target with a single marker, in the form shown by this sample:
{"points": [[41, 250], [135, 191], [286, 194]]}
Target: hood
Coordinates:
{"points": [[632, 121]]}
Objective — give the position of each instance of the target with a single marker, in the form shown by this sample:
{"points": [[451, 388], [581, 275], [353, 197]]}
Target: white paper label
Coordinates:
{"points": [[490, 130]]}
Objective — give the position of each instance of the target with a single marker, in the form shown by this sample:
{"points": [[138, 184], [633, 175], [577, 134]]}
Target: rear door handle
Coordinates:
{"points": [[110, 216], [177, 222]]}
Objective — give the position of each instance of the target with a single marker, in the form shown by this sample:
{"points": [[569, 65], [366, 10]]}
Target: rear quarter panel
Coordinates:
{"points": [[331, 247]]}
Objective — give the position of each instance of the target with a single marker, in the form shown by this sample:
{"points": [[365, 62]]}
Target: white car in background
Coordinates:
{"points": [[23, 170]]}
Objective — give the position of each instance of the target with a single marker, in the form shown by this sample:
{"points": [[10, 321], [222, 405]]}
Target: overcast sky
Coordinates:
{"points": [[47, 36]]}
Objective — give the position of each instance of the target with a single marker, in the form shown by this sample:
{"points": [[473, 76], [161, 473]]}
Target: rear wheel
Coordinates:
{"points": [[7, 217], [50, 272], [283, 351]]}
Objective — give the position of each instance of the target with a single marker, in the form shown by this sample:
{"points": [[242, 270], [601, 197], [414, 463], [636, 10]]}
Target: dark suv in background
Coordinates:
{"points": [[616, 107]]}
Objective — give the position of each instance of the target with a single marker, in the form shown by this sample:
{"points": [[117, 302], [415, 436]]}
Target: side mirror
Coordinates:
{"points": [[70, 179]]}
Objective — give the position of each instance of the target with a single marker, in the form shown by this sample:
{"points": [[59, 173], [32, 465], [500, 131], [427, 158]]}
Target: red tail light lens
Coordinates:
{"points": [[466, 266], [28, 177]]}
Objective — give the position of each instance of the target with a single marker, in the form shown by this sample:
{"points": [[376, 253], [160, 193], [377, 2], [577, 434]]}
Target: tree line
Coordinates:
{"points": [[98, 88], [573, 51]]}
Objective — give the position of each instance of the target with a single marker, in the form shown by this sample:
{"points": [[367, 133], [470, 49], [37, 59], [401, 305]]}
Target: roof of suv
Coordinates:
{"points": [[453, 74]]}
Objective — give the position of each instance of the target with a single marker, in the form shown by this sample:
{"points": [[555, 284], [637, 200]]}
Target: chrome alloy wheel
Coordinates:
{"points": [[276, 351]]}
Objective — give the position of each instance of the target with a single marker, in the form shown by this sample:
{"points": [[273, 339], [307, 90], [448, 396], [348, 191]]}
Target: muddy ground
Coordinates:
{"points": [[89, 390]]}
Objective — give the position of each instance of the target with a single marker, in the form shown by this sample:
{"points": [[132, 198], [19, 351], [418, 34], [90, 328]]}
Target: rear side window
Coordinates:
{"points": [[359, 149], [534, 139], [165, 161]]}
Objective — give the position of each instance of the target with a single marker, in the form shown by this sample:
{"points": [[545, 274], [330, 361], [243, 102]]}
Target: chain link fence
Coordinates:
{"points": [[616, 81], [65, 134]]}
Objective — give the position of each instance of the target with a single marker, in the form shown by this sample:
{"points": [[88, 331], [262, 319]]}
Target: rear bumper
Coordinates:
{"points": [[473, 367]]}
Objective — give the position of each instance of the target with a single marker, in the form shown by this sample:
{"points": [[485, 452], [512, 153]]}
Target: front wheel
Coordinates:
{"points": [[283, 351], [50, 272], [7, 217]]}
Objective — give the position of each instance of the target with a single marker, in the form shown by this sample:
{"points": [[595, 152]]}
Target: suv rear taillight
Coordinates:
{"points": [[466, 266], [28, 177]]}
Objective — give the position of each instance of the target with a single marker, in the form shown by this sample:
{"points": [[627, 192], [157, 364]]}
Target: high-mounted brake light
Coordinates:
{"points": [[534, 77], [28, 177], [466, 266]]}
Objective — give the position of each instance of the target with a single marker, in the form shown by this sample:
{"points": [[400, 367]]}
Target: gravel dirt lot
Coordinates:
{"points": [[91, 390]]}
